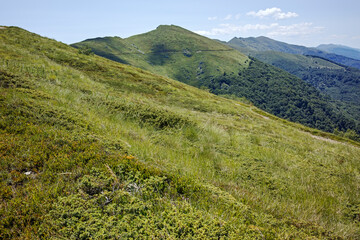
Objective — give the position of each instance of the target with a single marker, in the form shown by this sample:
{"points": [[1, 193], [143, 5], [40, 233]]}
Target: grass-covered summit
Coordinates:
{"points": [[196, 60], [170, 51], [94, 149]]}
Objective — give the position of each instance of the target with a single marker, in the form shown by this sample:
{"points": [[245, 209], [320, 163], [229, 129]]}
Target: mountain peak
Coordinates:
{"points": [[170, 28], [263, 37]]}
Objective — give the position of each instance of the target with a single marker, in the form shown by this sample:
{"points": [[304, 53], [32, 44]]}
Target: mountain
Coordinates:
{"points": [[250, 45], [196, 60], [340, 50], [170, 51], [339, 82], [92, 148]]}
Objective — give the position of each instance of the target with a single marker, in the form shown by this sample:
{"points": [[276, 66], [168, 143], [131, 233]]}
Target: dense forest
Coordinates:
{"points": [[285, 96]]}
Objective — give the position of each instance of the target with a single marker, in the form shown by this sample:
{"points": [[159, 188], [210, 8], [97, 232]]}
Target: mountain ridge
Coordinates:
{"points": [[341, 50], [249, 45], [263, 43]]}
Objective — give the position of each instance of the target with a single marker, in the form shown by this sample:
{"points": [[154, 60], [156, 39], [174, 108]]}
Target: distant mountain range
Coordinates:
{"points": [[196, 60], [260, 44], [340, 50]]}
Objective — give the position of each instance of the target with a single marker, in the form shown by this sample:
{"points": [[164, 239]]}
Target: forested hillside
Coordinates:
{"points": [[339, 82]]}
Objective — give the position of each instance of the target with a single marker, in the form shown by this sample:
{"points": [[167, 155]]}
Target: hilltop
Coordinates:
{"points": [[204, 63], [92, 148], [170, 51]]}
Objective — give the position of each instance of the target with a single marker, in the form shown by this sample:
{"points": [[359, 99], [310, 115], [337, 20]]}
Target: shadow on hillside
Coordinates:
{"points": [[110, 56], [159, 54]]}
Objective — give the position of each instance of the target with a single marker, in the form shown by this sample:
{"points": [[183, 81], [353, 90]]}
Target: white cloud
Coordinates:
{"points": [[339, 36], [299, 29], [228, 17], [282, 15], [212, 18], [271, 30], [274, 12]]}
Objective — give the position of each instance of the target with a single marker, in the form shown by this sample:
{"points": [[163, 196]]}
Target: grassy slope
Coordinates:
{"points": [[185, 56], [204, 166]]}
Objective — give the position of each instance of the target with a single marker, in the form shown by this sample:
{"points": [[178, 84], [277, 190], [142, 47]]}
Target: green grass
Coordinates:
{"points": [[91, 148]]}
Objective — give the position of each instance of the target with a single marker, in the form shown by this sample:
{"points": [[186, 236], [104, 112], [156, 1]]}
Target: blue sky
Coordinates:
{"points": [[303, 22]]}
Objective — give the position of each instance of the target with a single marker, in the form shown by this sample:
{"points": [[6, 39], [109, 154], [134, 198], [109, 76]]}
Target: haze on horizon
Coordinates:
{"points": [[301, 22]]}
